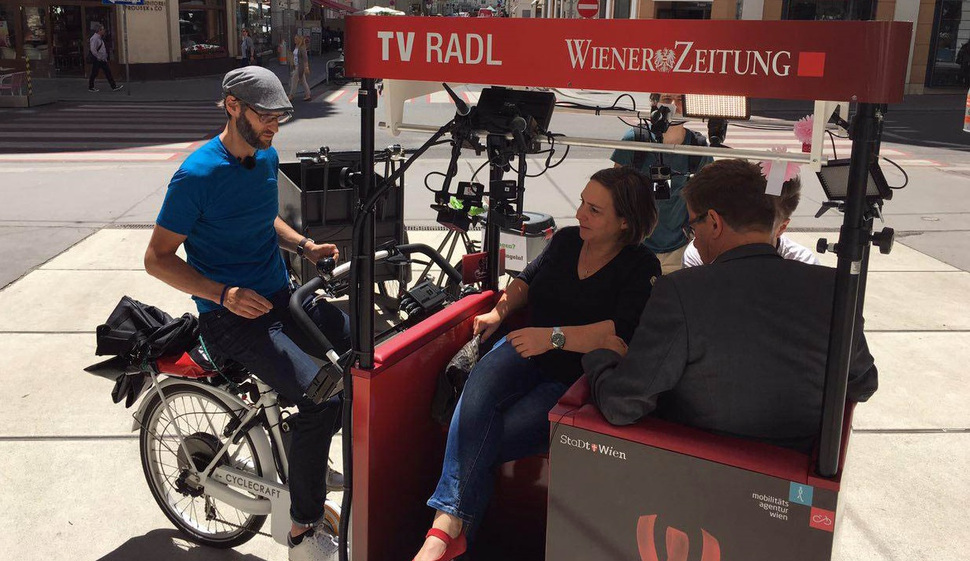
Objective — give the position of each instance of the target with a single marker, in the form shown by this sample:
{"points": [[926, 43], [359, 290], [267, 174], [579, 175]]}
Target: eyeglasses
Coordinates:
{"points": [[698, 220], [269, 118]]}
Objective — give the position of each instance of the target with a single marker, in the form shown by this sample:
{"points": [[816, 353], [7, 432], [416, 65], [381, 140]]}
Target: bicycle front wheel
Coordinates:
{"points": [[187, 431]]}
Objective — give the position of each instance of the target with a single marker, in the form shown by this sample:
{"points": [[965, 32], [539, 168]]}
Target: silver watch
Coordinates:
{"points": [[558, 338]]}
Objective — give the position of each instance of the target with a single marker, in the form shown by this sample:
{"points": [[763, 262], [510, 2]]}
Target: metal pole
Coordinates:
{"points": [[127, 52], [853, 238], [367, 101], [493, 230]]}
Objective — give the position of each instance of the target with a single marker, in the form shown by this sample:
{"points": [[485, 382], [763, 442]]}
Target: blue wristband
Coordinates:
{"points": [[222, 298]]}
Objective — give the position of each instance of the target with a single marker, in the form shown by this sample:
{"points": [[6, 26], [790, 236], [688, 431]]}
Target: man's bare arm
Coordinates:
{"points": [[163, 263]]}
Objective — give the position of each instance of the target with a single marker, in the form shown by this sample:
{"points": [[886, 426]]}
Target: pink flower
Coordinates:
{"points": [[803, 129]]}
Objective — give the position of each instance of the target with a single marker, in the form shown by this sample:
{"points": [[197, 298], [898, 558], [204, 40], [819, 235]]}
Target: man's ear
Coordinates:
{"points": [[717, 223], [233, 106], [782, 227]]}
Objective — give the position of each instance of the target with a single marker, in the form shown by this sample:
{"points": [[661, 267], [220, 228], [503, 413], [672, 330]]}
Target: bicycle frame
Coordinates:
{"points": [[220, 482]]}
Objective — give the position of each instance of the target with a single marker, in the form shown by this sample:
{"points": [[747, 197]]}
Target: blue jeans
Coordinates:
{"points": [[274, 348], [502, 415]]}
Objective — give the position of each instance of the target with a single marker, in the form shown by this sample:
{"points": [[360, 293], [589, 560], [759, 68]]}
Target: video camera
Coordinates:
{"points": [[513, 122]]}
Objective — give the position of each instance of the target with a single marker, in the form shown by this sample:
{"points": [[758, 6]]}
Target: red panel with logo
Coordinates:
{"points": [[857, 60]]}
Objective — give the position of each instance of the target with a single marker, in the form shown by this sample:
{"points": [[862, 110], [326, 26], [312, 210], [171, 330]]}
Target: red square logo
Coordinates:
{"points": [[822, 519], [811, 65]]}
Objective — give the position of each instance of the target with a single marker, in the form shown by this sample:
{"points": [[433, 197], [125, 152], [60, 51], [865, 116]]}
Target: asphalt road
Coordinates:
{"points": [[69, 169]]}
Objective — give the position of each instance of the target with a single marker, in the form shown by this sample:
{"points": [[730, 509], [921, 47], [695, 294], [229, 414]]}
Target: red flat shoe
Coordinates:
{"points": [[453, 546]]}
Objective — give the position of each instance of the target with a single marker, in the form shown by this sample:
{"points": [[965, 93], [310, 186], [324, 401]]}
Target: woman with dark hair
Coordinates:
{"points": [[590, 283]]}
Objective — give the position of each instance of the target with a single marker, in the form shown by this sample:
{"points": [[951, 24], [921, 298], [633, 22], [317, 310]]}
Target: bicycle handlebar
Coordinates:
{"points": [[329, 381]]}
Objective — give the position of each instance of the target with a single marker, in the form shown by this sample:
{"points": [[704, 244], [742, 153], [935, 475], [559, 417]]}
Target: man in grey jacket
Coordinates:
{"points": [[99, 60], [736, 347]]}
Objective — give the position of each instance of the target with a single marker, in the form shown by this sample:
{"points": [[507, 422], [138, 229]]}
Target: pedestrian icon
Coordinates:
{"points": [[801, 494]]}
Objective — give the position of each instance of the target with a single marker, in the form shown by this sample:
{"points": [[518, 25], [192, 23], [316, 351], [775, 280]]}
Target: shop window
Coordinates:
{"points": [[67, 38], [829, 10], [254, 16], [950, 47], [621, 9], [202, 28], [8, 41], [683, 10], [35, 33]]}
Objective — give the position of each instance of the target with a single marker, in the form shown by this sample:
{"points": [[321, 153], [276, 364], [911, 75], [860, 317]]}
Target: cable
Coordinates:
{"points": [[428, 187], [597, 108], [901, 170], [835, 154]]}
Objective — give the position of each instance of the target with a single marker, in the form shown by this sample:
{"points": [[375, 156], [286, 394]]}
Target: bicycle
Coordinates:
{"points": [[213, 440]]}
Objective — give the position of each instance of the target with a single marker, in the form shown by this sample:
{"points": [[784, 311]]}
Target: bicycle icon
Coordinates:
{"points": [[821, 519]]}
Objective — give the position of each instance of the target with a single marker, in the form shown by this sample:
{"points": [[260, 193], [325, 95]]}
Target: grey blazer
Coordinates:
{"points": [[737, 347]]}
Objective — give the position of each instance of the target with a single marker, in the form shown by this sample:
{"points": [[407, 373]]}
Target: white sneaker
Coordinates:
{"points": [[316, 545], [335, 480]]}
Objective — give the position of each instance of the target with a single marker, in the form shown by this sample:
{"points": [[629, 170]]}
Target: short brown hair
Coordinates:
{"points": [[736, 190], [633, 200], [791, 193]]}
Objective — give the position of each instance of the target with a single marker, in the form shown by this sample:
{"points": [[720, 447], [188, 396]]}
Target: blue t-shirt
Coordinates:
{"points": [[227, 213], [669, 233]]}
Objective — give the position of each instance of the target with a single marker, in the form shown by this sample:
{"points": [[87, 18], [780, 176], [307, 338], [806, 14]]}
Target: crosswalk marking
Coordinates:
{"points": [[121, 132], [91, 157]]}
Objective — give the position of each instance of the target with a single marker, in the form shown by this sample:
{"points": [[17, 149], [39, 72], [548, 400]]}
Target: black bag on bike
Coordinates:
{"points": [[140, 332]]}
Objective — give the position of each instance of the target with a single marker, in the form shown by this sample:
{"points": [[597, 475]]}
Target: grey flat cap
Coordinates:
{"points": [[257, 87]]}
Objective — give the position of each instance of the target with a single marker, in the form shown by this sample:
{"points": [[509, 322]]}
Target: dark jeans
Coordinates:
{"points": [[274, 348], [502, 415], [96, 67]]}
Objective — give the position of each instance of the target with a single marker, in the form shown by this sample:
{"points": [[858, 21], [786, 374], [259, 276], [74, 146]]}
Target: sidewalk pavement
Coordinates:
{"points": [[205, 88], [69, 463]]}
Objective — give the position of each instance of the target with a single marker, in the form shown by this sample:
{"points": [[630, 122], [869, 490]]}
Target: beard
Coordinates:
{"points": [[249, 134]]}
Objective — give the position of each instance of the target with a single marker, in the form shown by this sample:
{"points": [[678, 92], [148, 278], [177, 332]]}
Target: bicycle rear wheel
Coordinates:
{"points": [[190, 432]]}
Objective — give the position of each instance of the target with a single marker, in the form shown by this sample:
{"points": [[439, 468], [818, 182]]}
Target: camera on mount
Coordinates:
{"points": [[660, 179], [461, 210], [504, 194]]}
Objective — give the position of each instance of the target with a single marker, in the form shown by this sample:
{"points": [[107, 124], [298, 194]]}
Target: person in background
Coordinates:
{"points": [[99, 60], [669, 240], [247, 49], [739, 346], [300, 69], [785, 205]]}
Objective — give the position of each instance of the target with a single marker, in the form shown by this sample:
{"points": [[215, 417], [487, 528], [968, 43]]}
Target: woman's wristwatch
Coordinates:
{"points": [[301, 247], [558, 338]]}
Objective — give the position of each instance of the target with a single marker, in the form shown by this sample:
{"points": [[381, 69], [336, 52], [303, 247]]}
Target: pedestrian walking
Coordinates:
{"points": [[98, 57], [300, 68], [247, 49]]}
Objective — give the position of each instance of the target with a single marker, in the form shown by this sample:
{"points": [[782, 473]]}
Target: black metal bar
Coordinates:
{"points": [[364, 256], [435, 256], [493, 229], [303, 320], [853, 238]]}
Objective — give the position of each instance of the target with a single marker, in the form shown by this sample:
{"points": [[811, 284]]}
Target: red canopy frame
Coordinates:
{"points": [[861, 61], [853, 60]]}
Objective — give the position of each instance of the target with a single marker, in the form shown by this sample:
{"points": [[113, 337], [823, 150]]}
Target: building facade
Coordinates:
{"points": [[165, 38], [939, 48]]}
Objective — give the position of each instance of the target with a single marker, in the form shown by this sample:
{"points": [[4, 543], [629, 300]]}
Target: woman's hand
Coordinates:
{"points": [[246, 303], [317, 251], [531, 341], [486, 324], [616, 345]]}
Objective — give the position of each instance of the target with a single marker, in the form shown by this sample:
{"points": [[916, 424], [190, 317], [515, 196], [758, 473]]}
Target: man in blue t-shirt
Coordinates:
{"points": [[222, 204], [668, 240]]}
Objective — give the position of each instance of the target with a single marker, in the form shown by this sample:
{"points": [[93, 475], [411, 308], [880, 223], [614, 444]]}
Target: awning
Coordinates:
{"points": [[333, 5]]}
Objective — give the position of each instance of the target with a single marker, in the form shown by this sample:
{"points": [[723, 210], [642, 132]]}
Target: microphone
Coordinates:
{"points": [[519, 125], [249, 162], [461, 108]]}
